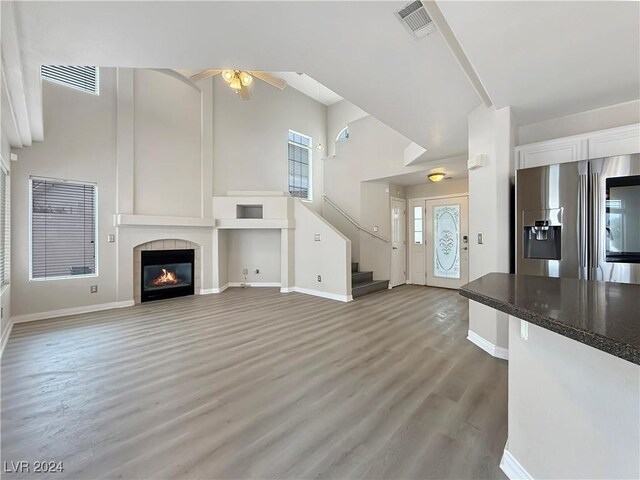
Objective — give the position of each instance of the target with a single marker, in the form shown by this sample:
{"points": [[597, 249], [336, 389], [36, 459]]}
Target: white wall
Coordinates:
{"points": [[491, 133], [167, 146], [143, 160], [589, 121], [251, 250], [373, 151], [339, 115], [435, 189], [330, 257], [574, 411], [80, 145], [250, 138]]}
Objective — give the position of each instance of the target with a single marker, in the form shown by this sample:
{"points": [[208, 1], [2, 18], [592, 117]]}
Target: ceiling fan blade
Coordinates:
{"points": [[212, 72], [270, 79], [244, 93]]}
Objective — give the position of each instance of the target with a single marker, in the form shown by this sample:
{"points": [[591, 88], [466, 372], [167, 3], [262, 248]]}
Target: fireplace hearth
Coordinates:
{"points": [[166, 274]]}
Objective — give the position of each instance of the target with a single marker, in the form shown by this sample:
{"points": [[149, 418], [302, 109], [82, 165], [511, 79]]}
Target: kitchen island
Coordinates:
{"points": [[574, 375]]}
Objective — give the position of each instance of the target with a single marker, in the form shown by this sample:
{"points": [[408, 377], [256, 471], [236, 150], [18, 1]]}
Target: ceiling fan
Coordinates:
{"points": [[239, 80]]}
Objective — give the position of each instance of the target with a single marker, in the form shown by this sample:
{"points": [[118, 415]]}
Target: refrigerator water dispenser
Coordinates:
{"points": [[543, 234]]}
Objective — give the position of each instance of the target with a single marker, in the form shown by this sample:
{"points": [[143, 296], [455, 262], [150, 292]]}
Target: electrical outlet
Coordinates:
{"points": [[94, 288], [319, 278], [245, 271], [375, 228], [111, 238], [257, 271], [317, 237], [480, 241]]}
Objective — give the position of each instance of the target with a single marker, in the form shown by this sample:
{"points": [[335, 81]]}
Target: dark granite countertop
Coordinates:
{"points": [[602, 315]]}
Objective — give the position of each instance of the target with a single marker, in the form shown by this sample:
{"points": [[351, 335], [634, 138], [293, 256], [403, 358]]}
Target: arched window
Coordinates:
{"points": [[343, 134]]}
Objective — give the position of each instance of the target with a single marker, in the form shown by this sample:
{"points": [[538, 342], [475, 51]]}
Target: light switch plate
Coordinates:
{"points": [[375, 228], [480, 240], [111, 238], [317, 237]]}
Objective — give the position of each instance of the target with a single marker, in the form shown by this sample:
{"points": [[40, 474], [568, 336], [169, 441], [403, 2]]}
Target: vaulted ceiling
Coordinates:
{"points": [[550, 59], [544, 59], [357, 49]]}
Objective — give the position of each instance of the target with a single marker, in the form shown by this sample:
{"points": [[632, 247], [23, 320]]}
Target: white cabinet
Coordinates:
{"points": [[617, 141], [561, 150], [604, 143]]}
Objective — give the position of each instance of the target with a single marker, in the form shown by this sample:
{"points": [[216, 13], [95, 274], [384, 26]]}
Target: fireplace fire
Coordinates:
{"points": [[167, 278], [166, 274]]}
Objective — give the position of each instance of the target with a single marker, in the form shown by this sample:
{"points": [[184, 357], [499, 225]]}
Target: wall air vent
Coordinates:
{"points": [[83, 78], [416, 19]]}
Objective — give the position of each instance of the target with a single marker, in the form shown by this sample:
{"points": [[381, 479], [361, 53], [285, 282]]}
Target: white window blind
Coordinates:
{"points": [[299, 165], [63, 229], [4, 226], [83, 78]]}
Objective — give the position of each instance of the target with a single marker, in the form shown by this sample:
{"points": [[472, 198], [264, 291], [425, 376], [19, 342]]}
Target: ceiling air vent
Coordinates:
{"points": [[416, 19]]}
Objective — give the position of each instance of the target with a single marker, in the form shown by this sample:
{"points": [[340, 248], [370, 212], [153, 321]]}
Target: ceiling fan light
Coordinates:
{"points": [[435, 177], [246, 79], [235, 83], [228, 75]]}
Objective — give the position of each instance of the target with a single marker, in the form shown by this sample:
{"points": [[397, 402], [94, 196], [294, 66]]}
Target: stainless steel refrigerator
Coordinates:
{"points": [[580, 220]]}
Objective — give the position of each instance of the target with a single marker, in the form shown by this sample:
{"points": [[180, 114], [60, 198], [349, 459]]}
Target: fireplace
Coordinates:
{"points": [[166, 274]]}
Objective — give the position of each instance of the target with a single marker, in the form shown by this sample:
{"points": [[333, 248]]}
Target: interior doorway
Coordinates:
{"points": [[398, 242]]}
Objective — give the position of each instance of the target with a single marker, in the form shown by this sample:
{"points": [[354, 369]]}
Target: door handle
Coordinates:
{"points": [[582, 219], [595, 220]]}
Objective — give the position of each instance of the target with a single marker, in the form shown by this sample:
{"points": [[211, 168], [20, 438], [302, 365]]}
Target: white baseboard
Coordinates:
{"points": [[31, 317], [5, 336], [490, 348], [254, 284], [209, 291], [512, 468], [287, 289], [318, 293]]}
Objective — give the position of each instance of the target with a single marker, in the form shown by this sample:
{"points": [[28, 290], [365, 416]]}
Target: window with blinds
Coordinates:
{"points": [[4, 226], [80, 77], [299, 165], [63, 229]]}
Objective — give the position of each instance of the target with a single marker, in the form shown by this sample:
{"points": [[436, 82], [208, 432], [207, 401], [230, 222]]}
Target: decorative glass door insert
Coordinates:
{"points": [[446, 241]]}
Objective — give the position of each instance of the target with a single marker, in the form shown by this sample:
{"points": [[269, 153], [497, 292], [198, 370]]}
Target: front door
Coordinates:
{"points": [[398, 255], [446, 242]]}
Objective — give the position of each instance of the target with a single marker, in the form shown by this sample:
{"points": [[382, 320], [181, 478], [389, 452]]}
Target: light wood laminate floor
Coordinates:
{"points": [[253, 383]]}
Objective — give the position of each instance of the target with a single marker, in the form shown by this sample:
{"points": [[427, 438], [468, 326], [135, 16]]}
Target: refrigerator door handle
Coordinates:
{"points": [[594, 230], [582, 222]]}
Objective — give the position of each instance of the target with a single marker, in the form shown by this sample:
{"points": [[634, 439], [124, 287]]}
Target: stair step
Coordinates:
{"points": [[369, 287], [354, 267], [361, 277]]}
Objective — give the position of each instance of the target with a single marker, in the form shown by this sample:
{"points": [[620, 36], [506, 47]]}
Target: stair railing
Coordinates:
{"points": [[356, 224]]}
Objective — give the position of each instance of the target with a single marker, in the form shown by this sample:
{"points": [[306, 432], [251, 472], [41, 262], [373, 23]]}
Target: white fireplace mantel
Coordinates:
{"points": [[126, 220]]}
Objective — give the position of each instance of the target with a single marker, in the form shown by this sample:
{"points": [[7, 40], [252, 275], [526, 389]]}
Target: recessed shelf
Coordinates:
{"points": [[249, 211]]}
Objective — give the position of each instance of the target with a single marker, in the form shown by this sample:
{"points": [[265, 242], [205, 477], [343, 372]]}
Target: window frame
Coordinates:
{"points": [[95, 227], [421, 208], [310, 167], [5, 228], [344, 130]]}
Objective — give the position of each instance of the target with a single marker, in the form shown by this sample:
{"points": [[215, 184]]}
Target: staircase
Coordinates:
{"points": [[363, 283]]}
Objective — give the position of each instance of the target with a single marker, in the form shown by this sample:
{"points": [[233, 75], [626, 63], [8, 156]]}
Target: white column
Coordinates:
{"points": [[492, 134]]}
